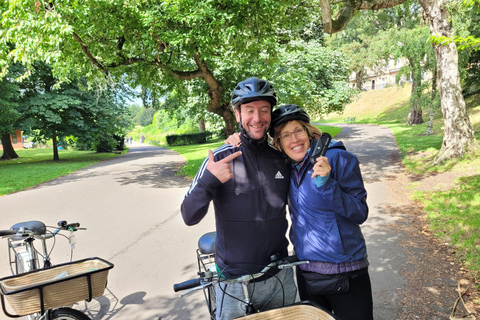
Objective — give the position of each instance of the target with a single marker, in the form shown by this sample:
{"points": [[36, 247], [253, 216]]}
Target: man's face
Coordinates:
{"points": [[255, 118]]}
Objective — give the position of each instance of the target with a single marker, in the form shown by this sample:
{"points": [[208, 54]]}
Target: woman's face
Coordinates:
{"points": [[294, 140]]}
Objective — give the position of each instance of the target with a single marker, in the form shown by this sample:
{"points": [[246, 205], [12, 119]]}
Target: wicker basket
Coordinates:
{"points": [[296, 312], [58, 286]]}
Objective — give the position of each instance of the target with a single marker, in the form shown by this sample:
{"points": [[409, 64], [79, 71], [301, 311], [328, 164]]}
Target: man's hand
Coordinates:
{"points": [[321, 167], [222, 168]]}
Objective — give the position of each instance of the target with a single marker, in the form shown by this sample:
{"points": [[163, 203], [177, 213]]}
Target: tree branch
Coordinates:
{"points": [[181, 75], [89, 55], [345, 14]]}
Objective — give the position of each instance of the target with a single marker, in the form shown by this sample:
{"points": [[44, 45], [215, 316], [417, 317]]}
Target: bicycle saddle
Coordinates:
{"points": [[206, 243], [37, 227]]}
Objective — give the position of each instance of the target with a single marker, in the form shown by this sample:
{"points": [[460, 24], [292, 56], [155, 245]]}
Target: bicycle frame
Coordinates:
{"points": [[209, 276]]}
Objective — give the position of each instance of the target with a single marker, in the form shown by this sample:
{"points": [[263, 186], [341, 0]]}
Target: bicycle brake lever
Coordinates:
{"points": [[292, 264]]}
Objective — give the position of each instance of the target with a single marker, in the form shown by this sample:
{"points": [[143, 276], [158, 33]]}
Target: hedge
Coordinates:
{"points": [[190, 138]]}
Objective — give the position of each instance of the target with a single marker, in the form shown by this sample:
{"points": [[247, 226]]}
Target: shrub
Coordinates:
{"points": [[189, 138]]}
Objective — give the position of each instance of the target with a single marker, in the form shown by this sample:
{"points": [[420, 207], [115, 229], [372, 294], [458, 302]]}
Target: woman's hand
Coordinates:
{"points": [[321, 167], [234, 140]]}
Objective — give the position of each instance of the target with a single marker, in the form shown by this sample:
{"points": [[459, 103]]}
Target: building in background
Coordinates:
{"points": [[17, 140], [384, 75]]}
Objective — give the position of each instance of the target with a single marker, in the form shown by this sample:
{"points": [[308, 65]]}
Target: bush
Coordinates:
{"points": [[120, 142], [190, 138], [105, 144]]}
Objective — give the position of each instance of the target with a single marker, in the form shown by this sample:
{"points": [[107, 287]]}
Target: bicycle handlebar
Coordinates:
{"points": [[287, 262], [26, 232]]}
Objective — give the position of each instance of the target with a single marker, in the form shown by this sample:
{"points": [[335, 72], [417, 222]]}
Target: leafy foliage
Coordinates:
{"points": [[312, 76], [49, 112], [159, 45], [8, 103]]}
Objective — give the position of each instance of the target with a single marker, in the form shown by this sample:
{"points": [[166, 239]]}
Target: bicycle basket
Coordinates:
{"points": [[295, 312], [61, 285]]}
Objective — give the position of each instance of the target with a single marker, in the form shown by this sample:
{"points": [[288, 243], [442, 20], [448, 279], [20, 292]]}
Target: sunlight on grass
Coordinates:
{"points": [[195, 155], [454, 217], [35, 166]]}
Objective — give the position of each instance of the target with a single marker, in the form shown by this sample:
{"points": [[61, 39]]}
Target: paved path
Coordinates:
{"points": [[130, 206]]}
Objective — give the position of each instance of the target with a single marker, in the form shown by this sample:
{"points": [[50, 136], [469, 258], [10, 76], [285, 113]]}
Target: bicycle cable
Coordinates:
{"points": [[253, 282]]}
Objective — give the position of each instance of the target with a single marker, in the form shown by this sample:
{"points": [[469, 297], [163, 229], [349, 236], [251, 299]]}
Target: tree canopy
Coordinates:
{"points": [[200, 49], [459, 138]]}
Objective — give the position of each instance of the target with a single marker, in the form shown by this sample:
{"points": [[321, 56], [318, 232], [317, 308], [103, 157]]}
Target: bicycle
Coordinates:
{"points": [[209, 277], [48, 292]]}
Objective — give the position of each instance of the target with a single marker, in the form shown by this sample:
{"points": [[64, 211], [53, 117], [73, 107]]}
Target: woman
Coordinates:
{"points": [[327, 204]]}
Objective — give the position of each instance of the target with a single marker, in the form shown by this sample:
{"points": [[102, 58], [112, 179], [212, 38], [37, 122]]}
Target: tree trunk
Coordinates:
{"points": [[201, 125], [415, 112], [458, 138], [359, 78], [433, 102], [55, 147], [215, 104], [8, 151], [431, 115]]}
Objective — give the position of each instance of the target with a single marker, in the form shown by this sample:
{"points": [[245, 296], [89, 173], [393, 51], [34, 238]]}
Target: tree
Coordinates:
{"points": [[158, 44], [8, 113], [413, 45], [466, 41], [55, 111], [360, 40], [458, 138], [313, 76]]}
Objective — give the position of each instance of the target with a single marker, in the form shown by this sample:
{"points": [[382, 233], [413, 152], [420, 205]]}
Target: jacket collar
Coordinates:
{"points": [[252, 145]]}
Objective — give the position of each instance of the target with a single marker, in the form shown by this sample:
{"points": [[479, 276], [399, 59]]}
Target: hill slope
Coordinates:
{"points": [[371, 104]]}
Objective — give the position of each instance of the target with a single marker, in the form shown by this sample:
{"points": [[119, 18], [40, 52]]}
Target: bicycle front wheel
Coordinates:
{"points": [[68, 314]]}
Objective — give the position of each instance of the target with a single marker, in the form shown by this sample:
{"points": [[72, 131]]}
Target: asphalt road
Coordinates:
{"points": [[131, 209]]}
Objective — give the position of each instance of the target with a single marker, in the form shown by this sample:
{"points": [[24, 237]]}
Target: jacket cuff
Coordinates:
{"points": [[210, 182]]}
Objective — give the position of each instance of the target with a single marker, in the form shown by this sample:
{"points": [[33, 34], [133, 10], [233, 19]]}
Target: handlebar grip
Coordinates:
{"points": [[186, 285], [292, 259], [7, 232], [73, 225]]}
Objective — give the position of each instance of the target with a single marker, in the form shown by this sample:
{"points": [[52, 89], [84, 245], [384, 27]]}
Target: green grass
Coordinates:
{"points": [[454, 217], [195, 155], [35, 166]]}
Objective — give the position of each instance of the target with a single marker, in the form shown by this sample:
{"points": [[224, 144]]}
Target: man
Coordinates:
{"points": [[248, 186]]}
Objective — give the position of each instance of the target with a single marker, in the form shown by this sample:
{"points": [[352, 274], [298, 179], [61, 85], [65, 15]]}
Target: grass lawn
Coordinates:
{"points": [[195, 155], [35, 166]]}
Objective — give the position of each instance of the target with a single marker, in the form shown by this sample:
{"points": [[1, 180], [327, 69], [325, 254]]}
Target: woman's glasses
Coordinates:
{"points": [[287, 136]]}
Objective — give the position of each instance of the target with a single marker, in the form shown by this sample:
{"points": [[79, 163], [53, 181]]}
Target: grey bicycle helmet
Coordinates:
{"points": [[286, 113], [253, 89]]}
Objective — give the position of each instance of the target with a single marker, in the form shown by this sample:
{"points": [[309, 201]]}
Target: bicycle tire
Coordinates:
{"points": [[68, 314]]}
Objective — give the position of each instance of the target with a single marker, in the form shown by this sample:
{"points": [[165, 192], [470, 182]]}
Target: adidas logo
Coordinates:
{"points": [[279, 175]]}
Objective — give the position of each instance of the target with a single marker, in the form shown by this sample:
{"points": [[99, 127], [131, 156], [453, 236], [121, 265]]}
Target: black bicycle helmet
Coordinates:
{"points": [[286, 113], [253, 89]]}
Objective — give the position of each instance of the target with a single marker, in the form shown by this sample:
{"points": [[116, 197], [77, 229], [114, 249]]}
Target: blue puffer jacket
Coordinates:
{"points": [[326, 220]]}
